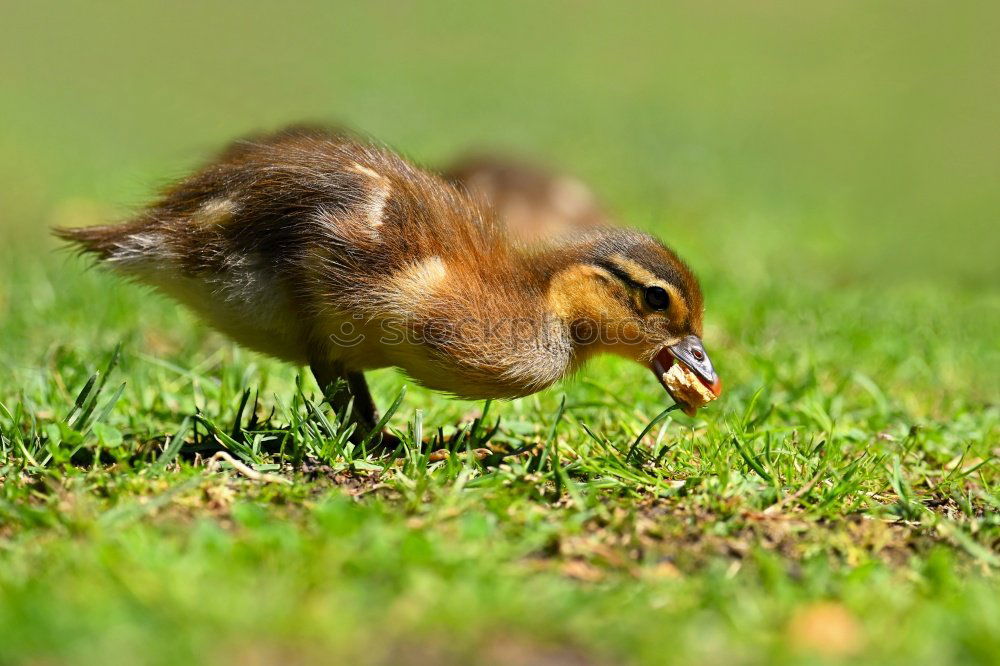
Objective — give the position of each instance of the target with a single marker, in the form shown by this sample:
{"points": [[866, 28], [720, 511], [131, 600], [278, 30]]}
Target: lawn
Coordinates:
{"points": [[830, 173]]}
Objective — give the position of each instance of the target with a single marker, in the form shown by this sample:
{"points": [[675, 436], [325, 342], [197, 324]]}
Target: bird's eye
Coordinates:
{"points": [[657, 298]]}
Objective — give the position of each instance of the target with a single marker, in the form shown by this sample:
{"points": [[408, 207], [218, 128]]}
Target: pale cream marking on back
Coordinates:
{"points": [[213, 212], [379, 196], [416, 282], [365, 171], [376, 207]]}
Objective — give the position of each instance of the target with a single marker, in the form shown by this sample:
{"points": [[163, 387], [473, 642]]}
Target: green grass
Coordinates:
{"points": [[830, 173]]}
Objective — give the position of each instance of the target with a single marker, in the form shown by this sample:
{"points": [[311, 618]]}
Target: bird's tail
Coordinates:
{"points": [[103, 241]]}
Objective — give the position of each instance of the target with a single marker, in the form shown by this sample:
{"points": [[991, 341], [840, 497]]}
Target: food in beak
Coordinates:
{"points": [[686, 388], [687, 374]]}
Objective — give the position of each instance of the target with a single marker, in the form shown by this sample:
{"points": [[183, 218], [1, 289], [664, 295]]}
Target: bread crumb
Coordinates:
{"points": [[685, 387]]}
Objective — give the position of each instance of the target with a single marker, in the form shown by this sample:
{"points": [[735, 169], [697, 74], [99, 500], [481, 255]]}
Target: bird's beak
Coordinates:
{"points": [[691, 352]]}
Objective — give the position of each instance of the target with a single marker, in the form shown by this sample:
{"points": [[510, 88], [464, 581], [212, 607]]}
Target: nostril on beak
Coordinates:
{"points": [[698, 354]]}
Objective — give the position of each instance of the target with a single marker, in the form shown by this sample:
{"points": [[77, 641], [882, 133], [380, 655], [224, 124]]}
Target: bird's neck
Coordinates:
{"points": [[586, 301], [563, 282]]}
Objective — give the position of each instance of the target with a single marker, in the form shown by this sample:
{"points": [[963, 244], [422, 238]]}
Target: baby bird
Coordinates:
{"points": [[321, 249], [534, 203]]}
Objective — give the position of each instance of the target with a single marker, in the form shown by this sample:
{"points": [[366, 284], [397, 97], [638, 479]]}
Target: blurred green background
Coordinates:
{"points": [[827, 142]]}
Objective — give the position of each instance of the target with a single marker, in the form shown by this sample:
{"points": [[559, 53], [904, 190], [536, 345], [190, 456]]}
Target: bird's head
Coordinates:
{"points": [[626, 293]]}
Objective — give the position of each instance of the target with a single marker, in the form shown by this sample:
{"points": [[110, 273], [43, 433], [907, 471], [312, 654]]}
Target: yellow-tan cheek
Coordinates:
{"points": [[581, 292], [630, 332]]}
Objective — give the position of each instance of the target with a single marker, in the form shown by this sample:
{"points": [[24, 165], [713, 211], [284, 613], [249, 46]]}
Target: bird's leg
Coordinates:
{"points": [[363, 412], [364, 406]]}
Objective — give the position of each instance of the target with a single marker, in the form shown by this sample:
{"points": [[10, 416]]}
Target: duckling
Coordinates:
{"points": [[535, 203], [325, 250]]}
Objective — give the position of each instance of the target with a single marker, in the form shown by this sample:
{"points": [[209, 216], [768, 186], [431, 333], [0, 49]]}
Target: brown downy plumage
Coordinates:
{"points": [[320, 249]]}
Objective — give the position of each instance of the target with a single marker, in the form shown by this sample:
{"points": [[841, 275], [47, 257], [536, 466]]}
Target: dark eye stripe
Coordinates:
{"points": [[619, 273]]}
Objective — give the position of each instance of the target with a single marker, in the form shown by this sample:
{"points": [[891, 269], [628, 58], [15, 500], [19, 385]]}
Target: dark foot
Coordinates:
{"points": [[341, 387]]}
